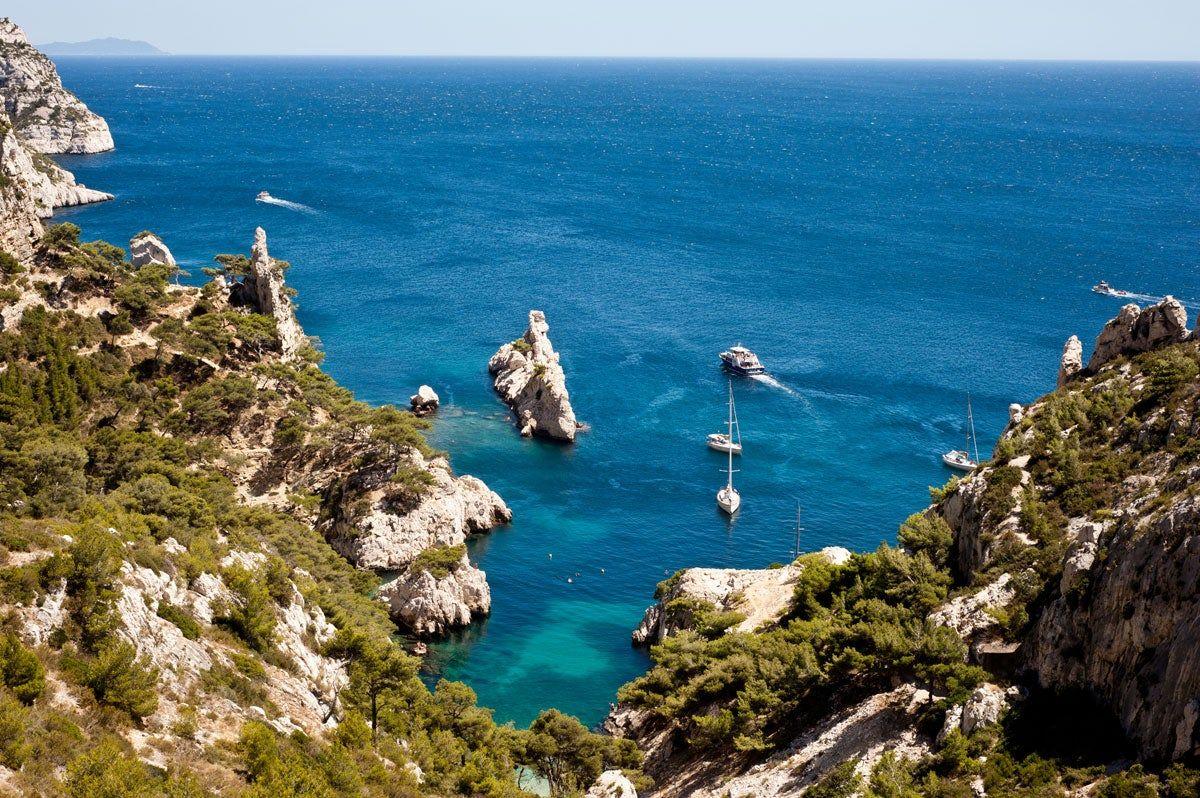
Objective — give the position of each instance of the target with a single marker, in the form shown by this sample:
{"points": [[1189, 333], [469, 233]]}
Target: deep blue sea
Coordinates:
{"points": [[888, 236]]}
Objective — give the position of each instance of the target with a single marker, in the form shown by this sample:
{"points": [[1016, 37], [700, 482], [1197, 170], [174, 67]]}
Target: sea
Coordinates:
{"points": [[891, 238]]}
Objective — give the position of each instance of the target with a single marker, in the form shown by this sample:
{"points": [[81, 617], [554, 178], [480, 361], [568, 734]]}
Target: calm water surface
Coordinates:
{"points": [[887, 236]]}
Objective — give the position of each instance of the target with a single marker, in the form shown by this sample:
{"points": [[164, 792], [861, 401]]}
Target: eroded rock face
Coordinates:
{"points": [[1135, 330], [531, 381], [47, 117], [762, 595], [149, 248], [1072, 360], [264, 287], [1133, 638], [429, 605], [451, 510]]}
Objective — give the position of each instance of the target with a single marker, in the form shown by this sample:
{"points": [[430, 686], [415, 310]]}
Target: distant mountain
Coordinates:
{"points": [[109, 46]]}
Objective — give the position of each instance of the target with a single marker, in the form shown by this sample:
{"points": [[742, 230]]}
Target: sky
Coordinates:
{"points": [[1017, 29]]}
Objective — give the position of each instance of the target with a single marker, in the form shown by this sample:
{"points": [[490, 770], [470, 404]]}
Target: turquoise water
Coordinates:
{"points": [[887, 236]]}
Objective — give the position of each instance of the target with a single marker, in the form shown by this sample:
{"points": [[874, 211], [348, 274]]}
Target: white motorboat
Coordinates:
{"points": [[263, 196], [728, 499], [1104, 288], [741, 360], [960, 459]]}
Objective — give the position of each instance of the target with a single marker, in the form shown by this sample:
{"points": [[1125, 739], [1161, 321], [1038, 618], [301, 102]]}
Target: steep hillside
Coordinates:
{"points": [[1037, 629]]}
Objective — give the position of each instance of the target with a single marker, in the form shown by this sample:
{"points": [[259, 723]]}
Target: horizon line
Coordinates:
{"points": [[641, 57]]}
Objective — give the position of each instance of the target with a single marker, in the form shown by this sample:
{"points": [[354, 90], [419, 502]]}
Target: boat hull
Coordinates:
{"points": [[958, 461], [728, 500], [742, 371], [723, 446]]}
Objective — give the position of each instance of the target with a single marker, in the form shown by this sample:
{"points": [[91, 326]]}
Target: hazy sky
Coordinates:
{"points": [[1100, 29]]}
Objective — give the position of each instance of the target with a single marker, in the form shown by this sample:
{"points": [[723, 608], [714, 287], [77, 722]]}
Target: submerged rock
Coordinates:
{"points": [[531, 381], [424, 402]]}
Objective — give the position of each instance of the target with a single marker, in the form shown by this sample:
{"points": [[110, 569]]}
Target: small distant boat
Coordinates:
{"points": [[728, 499], [741, 360], [727, 442], [960, 459], [263, 196], [1104, 288]]}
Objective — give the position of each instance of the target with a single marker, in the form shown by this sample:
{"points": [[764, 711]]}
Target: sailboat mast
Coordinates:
{"points": [[796, 548], [729, 449], [974, 443]]}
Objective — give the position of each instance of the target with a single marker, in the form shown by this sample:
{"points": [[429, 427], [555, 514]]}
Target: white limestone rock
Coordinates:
{"points": [[148, 248], [968, 615], [1135, 330], [264, 288], [612, 784], [762, 595], [429, 605], [530, 380], [984, 707], [424, 402], [451, 510], [1072, 360], [48, 118]]}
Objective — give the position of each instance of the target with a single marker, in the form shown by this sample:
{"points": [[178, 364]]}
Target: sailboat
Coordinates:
{"points": [[728, 499], [727, 442], [961, 458]]}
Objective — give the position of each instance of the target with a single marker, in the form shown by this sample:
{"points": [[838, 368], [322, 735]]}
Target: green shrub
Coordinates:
{"points": [[439, 561], [21, 670], [119, 679], [13, 747], [251, 615], [188, 625]]}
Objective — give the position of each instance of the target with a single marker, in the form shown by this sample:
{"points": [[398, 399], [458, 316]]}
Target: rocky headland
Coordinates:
{"points": [[530, 380], [1061, 571]]}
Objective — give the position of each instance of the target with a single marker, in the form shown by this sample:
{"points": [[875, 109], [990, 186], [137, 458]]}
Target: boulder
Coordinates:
{"points": [[530, 380], [612, 784], [148, 248], [424, 402]]}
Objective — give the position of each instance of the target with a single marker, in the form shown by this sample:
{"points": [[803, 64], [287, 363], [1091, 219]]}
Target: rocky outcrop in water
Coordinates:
{"points": [[430, 604], [1137, 330], [424, 402], [148, 248], [530, 380], [45, 115], [264, 288]]}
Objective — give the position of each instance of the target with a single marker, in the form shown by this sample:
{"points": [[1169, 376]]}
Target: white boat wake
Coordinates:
{"points": [[1150, 298], [767, 379], [291, 206]]}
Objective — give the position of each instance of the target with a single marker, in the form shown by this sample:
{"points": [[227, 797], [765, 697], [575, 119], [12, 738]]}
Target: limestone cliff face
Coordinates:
{"points": [[430, 605], [147, 248], [265, 288], [530, 380], [46, 116], [20, 213], [1135, 330]]}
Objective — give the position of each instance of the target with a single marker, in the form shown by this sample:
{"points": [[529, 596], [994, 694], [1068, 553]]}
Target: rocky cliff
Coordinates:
{"points": [[265, 291], [45, 115], [530, 380]]}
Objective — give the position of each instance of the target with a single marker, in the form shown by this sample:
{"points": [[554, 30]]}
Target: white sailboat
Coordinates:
{"points": [[961, 459], [727, 441], [728, 499]]}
